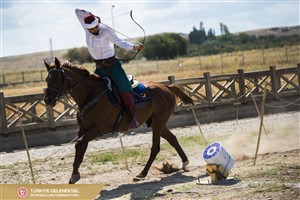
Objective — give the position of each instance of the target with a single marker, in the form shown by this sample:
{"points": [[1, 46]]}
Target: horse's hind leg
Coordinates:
{"points": [[171, 138]]}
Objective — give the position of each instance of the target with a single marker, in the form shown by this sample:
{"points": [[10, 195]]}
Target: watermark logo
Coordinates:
{"points": [[22, 192]]}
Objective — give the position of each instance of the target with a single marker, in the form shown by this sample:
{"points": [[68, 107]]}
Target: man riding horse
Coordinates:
{"points": [[100, 40], [101, 116]]}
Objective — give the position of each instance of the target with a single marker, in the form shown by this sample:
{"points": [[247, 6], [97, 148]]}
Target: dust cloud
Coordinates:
{"points": [[243, 146]]}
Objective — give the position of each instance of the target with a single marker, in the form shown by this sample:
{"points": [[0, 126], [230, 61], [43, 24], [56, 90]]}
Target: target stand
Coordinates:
{"points": [[216, 172]]}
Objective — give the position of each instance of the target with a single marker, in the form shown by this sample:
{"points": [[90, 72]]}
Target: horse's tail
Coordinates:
{"points": [[178, 91]]}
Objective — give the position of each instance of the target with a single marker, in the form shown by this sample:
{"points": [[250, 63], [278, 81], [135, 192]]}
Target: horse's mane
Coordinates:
{"points": [[80, 70]]}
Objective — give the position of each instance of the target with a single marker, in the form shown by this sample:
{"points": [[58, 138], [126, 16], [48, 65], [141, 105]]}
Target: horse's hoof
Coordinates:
{"points": [[74, 178], [136, 179], [185, 164], [139, 177]]}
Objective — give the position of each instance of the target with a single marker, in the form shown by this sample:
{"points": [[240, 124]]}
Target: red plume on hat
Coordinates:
{"points": [[90, 21]]}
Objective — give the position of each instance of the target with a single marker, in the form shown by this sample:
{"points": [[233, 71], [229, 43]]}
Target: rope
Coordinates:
{"points": [[250, 91], [63, 147], [281, 106], [228, 101], [288, 103]]}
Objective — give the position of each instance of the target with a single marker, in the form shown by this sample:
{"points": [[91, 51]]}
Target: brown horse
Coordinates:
{"points": [[101, 117]]}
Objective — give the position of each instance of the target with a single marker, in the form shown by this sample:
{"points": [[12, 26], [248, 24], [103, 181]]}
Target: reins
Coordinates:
{"points": [[64, 90]]}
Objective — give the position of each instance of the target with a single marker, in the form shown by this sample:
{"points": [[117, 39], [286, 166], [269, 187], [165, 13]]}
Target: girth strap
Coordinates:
{"points": [[91, 103], [120, 117]]}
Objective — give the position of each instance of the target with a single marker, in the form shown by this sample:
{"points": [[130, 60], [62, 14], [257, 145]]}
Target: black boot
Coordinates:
{"points": [[128, 101]]}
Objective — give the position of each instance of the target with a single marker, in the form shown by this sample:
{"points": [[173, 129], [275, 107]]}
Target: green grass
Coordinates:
{"points": [[116, 157], [190, 142], [141, 154]]}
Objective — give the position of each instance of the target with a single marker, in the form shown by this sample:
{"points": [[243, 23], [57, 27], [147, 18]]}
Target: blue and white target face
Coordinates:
{"points": [[211, 150]]}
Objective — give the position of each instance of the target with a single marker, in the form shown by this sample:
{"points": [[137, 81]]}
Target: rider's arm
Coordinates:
{"points": [[80, 15]]}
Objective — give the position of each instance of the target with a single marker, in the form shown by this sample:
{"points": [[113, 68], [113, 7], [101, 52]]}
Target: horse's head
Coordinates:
{"points": [[57, 83]]}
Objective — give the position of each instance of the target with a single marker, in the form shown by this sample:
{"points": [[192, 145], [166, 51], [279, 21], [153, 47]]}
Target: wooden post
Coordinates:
{"points": [[237, 112], [263, 55], [274, 81], [171, 79], [4, 129], [208, 89], [123, 151], [23, 77], [157, 64], [256, 81], [243, 59], [261, 121], [26, 145], [242, 85], [198, 124], [3, 78], [41, 75], [50, 116], [222, 64], [286, 55], [257, 110], [298, 65], [200, 64]]}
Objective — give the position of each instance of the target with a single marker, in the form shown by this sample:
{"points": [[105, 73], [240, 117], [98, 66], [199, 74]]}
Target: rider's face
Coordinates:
{"points": [[94, 30]]}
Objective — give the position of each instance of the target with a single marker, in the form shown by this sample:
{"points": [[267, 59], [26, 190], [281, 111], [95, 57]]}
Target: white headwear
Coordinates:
{"points": [[90, 21]]}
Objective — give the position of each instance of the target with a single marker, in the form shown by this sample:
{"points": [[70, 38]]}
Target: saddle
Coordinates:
{"points": [[140, 92]]}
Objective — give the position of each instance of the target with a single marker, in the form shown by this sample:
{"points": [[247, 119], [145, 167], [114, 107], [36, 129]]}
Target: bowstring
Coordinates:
{"points": [[115, 16], [144, 39], [130, 38]]}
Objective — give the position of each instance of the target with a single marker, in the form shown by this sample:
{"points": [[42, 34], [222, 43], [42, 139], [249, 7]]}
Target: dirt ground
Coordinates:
{"points": [[275, 175]]}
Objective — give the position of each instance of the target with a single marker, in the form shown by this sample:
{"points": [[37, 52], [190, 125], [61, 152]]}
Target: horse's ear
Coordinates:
{"points": [[47, 65], [57, 63]]}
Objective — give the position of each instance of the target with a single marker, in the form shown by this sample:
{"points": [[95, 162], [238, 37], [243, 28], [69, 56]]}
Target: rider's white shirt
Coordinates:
{"points": [[101, 46]]}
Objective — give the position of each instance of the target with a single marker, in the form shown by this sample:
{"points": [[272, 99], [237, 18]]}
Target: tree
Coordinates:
{"points": [[194, 36], [165, 46], [81, 55], [224, 29], [198, 36], [211, 34]]}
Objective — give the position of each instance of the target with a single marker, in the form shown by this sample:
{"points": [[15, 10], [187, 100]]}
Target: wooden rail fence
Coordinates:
{"points": [[207, 91]]}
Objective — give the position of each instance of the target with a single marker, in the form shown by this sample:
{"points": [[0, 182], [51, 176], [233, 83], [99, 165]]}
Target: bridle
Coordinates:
{"points": [[64, 90]]}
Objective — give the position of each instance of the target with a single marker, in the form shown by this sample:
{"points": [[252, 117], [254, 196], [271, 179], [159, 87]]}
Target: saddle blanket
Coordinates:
{"points": [[140, 93]]}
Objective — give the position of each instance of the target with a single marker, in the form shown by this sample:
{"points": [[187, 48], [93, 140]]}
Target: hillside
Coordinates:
{"points": [[28, 62], [34, 61], [278, 31]]}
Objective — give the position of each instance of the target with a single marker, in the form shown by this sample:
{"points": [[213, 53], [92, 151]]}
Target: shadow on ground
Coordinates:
{"points": [[146, 189]]}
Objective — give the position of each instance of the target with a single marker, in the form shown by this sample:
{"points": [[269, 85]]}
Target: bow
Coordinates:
{"points": [[144, 39], [143, 42]]}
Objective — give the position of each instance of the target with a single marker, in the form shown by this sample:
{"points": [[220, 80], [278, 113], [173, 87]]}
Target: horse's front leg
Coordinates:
{"points": [[80, 149], [154, 151]]}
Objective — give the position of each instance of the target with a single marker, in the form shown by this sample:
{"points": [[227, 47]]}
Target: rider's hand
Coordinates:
{"points": [[139, 47]]}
